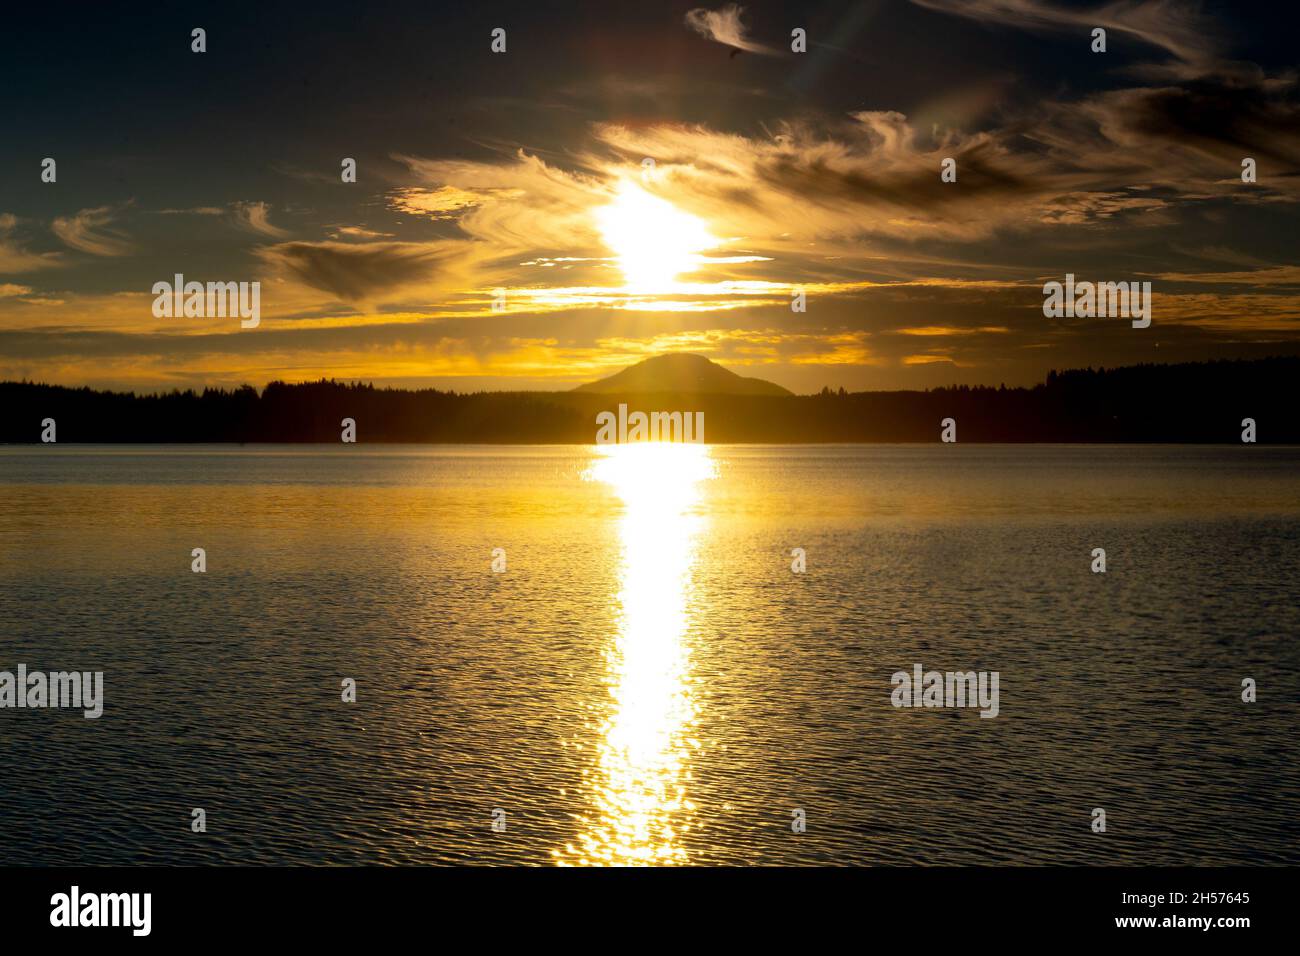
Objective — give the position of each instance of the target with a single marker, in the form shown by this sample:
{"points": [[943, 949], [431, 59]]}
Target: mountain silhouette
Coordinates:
{"points": [[1189, 402], [682, 374]]}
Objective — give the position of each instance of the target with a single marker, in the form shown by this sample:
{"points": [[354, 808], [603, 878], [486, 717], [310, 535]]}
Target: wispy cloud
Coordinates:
{"points": [[521, 203], [724, 26], [360, 233], [444, 202], [193, 211], [88, 231], [943, 331], [809, 202], [869, 175], [1175, 26], [255, 217]]}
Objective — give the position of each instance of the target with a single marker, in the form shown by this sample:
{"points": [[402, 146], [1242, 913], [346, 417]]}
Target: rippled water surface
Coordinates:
{"points": [[648, 680]]}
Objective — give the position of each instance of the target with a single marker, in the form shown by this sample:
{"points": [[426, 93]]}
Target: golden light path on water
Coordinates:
{"points": [[639, 788]]}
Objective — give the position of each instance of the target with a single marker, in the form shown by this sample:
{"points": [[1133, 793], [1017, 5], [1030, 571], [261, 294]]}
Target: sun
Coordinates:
{"points": [[653, 241]]}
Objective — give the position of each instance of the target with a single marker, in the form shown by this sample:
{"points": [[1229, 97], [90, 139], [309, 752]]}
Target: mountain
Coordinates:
{"points": [[683, 374], [1218, 402]]}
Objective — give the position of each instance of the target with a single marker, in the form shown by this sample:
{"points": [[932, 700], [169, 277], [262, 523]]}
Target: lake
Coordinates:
{"points": [[643, 677]]}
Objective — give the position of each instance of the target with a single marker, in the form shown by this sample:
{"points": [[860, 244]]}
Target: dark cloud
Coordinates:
{"points": [[1175, 26], [1226, 118], [359, 272]]}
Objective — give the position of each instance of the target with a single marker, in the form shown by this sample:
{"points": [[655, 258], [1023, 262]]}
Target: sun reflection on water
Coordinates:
{"points": [[638, 790]]}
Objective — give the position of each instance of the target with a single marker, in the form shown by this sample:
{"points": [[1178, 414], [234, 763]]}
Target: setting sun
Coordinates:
{"points": [[652, 239]]}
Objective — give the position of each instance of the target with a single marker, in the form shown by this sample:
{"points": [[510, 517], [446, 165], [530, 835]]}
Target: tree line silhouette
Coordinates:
{"points": [[1189, 402]]}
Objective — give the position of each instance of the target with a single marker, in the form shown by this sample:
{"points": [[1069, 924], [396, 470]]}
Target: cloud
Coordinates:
{"points": [[1085, 207], [1213, 121], [868, 175], [255, 217], [360, 272], [1187, 140], [832, 183], [1174, 26], [87, 232], [357, 232], [14, 257], [843, 199], [938, 331], [1265, 276], [195, 211], [521, 204], [444, 202], [840, 203], [9, 289], [835, 204], [724, 26]]}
